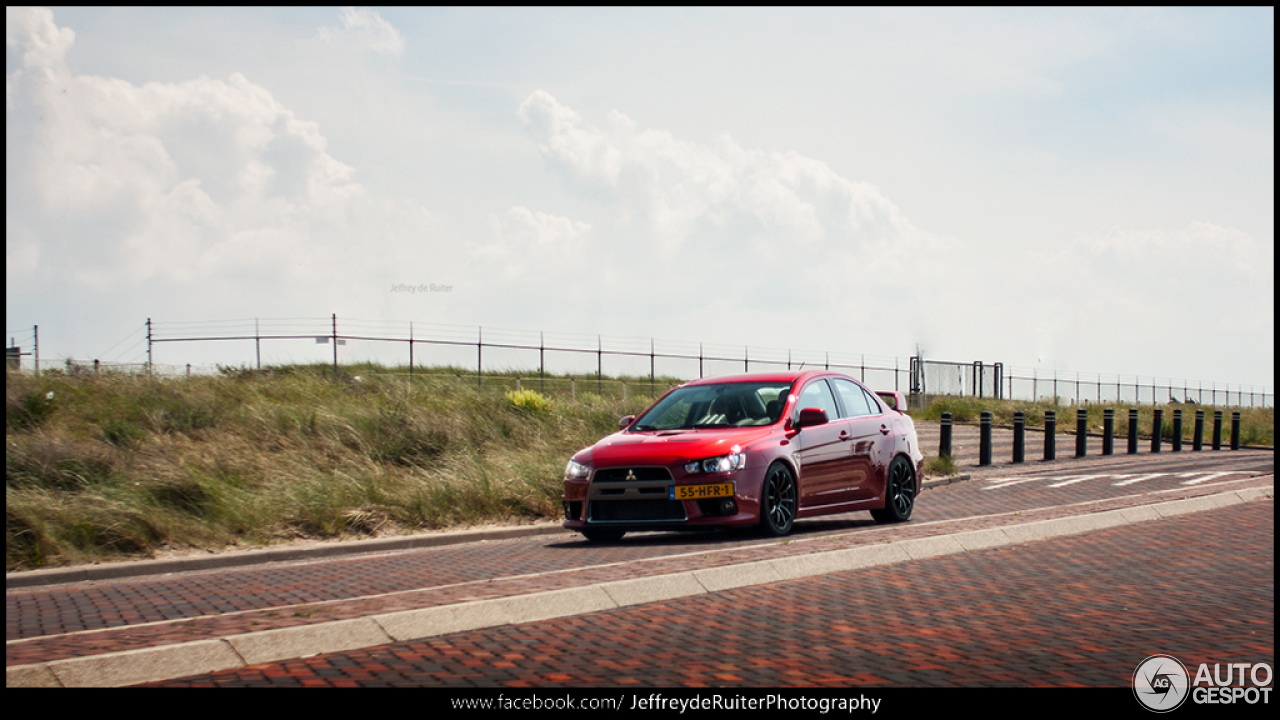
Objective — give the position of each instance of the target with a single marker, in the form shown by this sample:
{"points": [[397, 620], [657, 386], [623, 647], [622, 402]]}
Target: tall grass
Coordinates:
{"points": [[106, 466], [121, 466]]}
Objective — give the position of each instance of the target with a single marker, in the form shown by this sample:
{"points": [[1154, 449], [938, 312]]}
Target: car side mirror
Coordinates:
{"points": [[625, 421], [812, 416]]}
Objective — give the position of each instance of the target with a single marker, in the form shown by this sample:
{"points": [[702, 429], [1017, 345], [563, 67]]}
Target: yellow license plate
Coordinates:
{"points": [[698, 492]]}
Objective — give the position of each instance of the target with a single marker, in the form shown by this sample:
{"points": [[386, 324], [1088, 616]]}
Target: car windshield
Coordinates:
{"points": [[740, 404]]}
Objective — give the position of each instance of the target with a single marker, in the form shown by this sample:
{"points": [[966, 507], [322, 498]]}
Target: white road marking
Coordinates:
{"points": [[1073, 479], [1008, 482], [1122, 479], [1210, 476], [1138, 479]]}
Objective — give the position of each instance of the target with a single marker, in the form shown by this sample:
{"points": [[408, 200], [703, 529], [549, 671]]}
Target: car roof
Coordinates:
{"points": [[778, 376]]}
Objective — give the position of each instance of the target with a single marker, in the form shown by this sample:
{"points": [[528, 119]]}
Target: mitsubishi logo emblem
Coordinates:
{"points": [[631, 475]]}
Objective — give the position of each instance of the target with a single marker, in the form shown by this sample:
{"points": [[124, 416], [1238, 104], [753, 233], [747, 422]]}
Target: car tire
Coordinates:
{"points": [[603, 534], [899, 494], [778, 500]]}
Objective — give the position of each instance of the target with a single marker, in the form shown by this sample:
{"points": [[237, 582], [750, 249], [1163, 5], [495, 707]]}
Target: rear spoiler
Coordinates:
{"points": [[894, 399]]}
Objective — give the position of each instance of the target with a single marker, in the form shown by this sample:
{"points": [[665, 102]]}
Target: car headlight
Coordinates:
{"points": [[721, 464], [576, 470]]}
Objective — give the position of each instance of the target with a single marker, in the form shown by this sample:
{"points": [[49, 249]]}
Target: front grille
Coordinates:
{"points": [[622, 474], [636, 510]]}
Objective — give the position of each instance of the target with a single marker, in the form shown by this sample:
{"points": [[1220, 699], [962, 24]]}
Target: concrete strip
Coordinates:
{"points": [[429, 622], [1140, 513], [294, 642], [1040, 530], [30, 676], [653, 589], [1224, 499], [922, 548], [146, 665], [1181, 507], [804, 566], [982, 539], [1255, 493], [729, 577], [1110, 518]]}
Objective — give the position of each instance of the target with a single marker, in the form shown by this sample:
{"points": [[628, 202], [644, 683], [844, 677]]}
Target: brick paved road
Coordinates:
{"points": [[74, 620], [51, 611], [1080, 610]]}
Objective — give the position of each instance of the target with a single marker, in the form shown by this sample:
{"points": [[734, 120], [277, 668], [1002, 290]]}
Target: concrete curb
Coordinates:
{"points": [[944, 480], [133, 568], [173, 661]]}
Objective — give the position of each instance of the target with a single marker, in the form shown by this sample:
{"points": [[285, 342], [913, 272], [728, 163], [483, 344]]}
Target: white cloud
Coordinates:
{"points": [[684, 190], [205, 180], [701, 230], [523, 226], [366, 29]]}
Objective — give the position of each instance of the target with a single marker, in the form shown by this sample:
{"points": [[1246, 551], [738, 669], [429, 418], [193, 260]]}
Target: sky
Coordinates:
{"points": [[1059, 190]]}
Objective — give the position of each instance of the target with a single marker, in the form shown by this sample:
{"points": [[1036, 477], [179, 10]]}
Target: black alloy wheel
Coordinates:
{"points": [[900, 493], [778, 500]]}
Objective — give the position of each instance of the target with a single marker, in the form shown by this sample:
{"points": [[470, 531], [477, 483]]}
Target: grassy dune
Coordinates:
{"points": [[107, 466], [112, 466]]}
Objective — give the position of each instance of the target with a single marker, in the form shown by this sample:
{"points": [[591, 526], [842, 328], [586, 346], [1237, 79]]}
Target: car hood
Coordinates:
{"points": [[666, 447]]}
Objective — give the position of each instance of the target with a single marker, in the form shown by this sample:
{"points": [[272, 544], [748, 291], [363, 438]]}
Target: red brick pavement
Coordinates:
{"points": [[570, 563], [1077, 610], [148, 611], [53, 610]]}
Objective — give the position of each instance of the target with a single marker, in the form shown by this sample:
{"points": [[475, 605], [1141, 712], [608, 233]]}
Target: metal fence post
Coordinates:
{"points": [[1082, 431], [984, 441], [1019, 436], [1050, 428]]}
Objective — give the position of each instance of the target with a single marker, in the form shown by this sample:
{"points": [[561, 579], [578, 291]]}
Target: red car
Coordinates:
{"points": [[748, 450]]}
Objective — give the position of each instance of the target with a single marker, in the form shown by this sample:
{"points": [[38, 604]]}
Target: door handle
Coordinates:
{"points": [[884, 429], [844, 435]]}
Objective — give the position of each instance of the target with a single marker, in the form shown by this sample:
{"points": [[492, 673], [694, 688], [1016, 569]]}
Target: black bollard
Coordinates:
{"points": [[1133, 431], [1019, 436], [1157, 429], [1177, 430], [1235, 430], [1050, 427], [1082, 431], [1198, 436], [1108, 427], [1217, 429], [945, 446], [984, 439]]}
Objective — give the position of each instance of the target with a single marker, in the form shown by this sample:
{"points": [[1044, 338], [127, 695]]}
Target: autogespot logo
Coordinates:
{"points": [[1160, 683]]}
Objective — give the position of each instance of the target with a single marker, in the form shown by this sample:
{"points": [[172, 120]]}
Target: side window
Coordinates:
{"points": [[817, 395], [853, 399], [874, 402]]}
